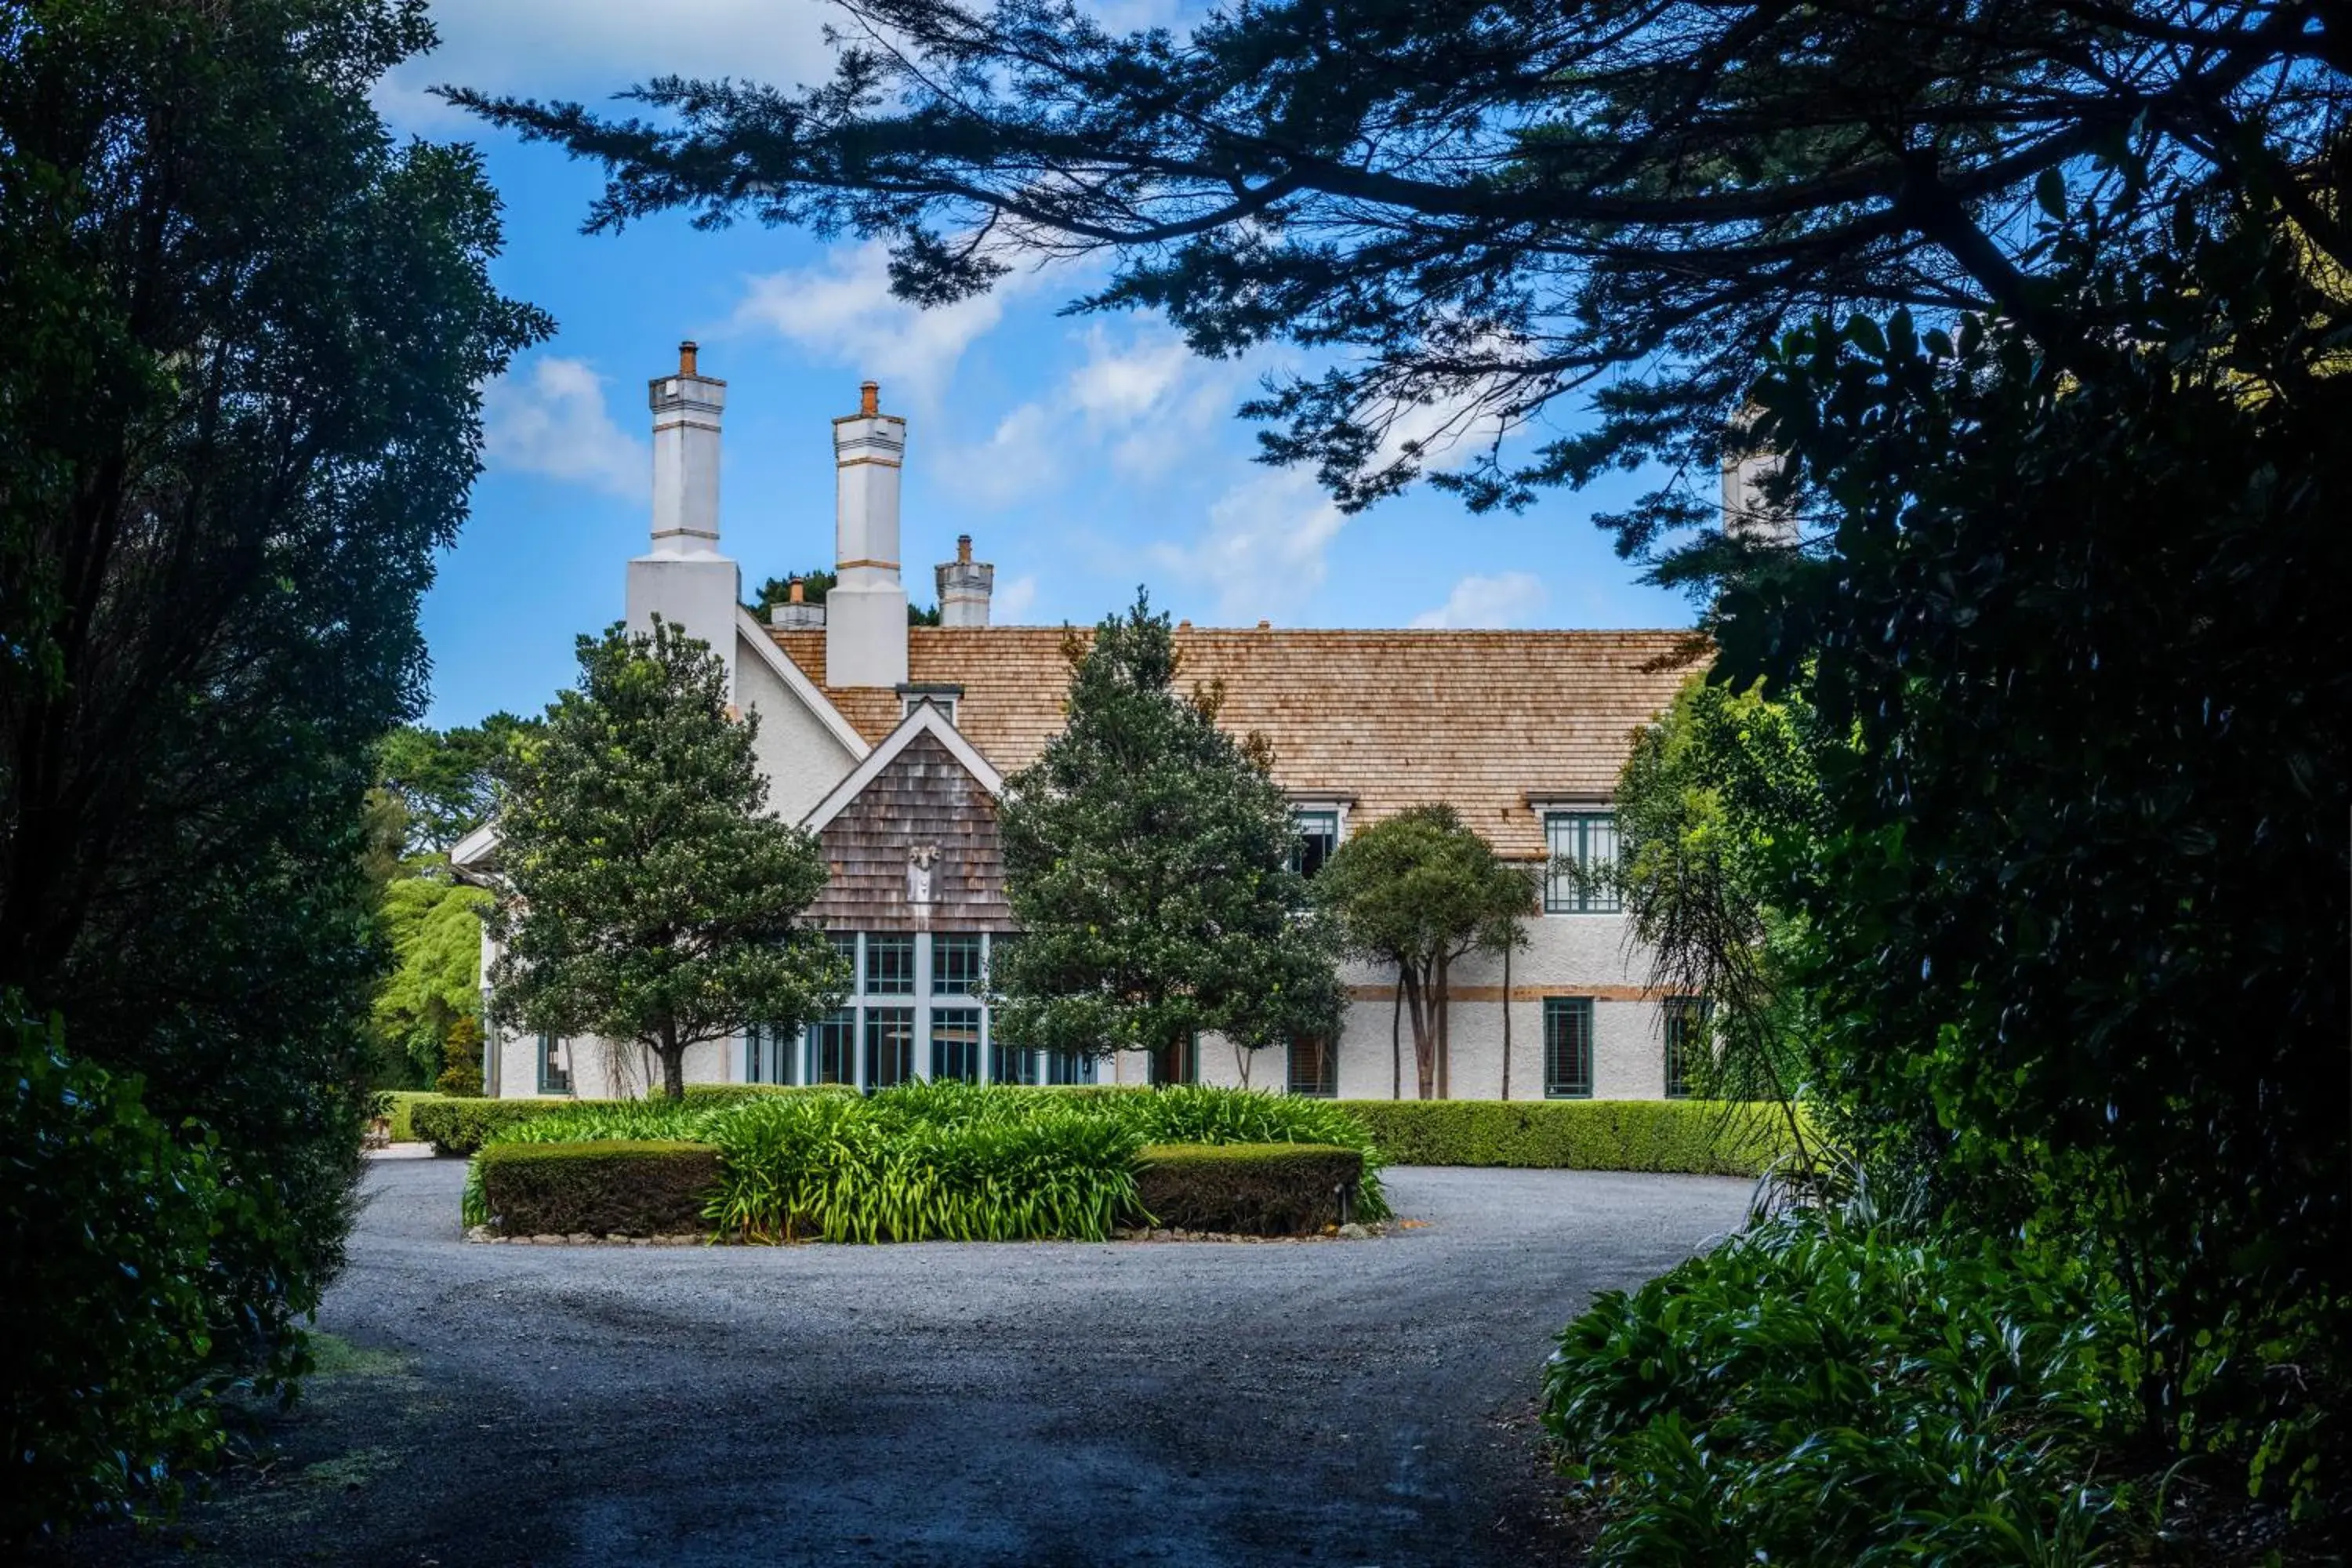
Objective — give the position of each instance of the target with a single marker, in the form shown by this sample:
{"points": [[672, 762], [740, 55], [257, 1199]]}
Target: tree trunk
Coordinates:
{"points": [[1441, 1012], [673, 1061], [1424, 1048], [1396, 1037], [1507, 1020]]}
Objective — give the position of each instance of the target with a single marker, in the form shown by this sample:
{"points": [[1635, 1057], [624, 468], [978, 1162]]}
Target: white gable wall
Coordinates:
{"points": [[801, 755]]}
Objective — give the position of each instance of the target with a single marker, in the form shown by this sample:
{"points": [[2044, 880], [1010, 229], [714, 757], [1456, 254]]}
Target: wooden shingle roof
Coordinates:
{"points": [[1382, 719]]}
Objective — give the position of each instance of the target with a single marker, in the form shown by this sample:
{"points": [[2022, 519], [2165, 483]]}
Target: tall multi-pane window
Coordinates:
{"points": [[832, 1048], [1011, 1064], [955, 1043], [889, 1045], [554, 1067], [955, 964], [1318, 840], [1568, 1047], [889, 966], [1070, 1067], [1583, 849], [1314, 1067], [1683, 1020]]}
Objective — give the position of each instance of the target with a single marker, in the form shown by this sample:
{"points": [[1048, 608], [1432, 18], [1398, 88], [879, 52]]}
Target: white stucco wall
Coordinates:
{"points": [[802, 758]]}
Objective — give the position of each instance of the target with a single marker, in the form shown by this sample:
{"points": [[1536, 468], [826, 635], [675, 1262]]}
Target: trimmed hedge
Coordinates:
{"points": [[608, 1187], [1248, 1189], [1687, 1137], [399, 1106], [464, 1126]]}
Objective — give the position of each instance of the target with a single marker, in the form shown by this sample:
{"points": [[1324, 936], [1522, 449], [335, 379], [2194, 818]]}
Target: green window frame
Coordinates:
{"points": [[1318, 840], [889, 1045], [955, 1044], [1314, 1067], [831, 1054], [554, 1078], [1682, 1021], [1580, 844], [889, 966], [956, 965], [1568, 1047]]}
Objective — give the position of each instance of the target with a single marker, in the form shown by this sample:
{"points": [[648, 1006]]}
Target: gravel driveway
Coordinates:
{"points": [[1363, 1401]]}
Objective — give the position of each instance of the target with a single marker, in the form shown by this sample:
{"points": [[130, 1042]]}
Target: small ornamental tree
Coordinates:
{"points": [[651, 900], [1149, 858], [1419, 890]]}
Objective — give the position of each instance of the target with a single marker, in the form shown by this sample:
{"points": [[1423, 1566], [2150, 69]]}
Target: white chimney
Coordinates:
{"points": [[964, 587], [683, 579], [796, 613], [1748, 511], [865, 613]]}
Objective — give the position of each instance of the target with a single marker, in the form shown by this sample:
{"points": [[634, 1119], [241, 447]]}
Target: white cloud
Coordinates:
{"points": [[840, 312], [1504, 599], [589, 49], [552, 420], [1264, 552], [1014, 601]]}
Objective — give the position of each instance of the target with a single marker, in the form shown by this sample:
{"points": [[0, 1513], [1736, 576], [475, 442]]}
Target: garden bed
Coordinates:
{"points": [[927, 1162]]}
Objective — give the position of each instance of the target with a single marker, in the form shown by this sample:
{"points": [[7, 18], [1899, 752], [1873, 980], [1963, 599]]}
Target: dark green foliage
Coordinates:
{"points": [[935, 1161], [814, 586], [399, 1111], [604, 1187], [2079, 928], [650, 897], [1689, 1137], [1834, 1397], [1719, 816], [462, 1126], [1468, 210], [446, 780], [1147, 859], [1418, 890], [240, 414], [1245, 1189], [461, 1060], [107, 1292]]}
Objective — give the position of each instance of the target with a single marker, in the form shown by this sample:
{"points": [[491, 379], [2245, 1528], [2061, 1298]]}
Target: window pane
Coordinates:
{"points": [[831, 1055], [1582, 844], [1684, 1023], [1011, 1064], [1069, 1067], [1314, 1067], [889, 966], [955, 1043], [554, 1067], [1568, 1047], [1318, 839], [889, 1045], [955, 965]]}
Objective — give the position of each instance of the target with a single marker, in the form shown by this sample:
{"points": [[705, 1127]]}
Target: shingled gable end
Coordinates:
{"points": [[892, 743]]}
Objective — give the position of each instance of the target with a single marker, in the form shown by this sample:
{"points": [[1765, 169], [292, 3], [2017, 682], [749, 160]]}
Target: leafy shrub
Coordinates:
{"points": [[709, 1094], [461, 1060], [907, 1167], [1195, 1114], [1813, 1393], [463, 1126], [606, 1186], [1251, 1189], [1688, 1137], [399, 1111], [107, 1294]]}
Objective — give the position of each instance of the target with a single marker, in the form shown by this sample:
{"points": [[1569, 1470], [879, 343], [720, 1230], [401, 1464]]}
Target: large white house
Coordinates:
{"points": [[892, 742]]}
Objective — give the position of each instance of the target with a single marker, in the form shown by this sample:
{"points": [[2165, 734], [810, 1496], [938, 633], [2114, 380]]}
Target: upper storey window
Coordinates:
{"points": [[1583, 849], [1318, 839]]}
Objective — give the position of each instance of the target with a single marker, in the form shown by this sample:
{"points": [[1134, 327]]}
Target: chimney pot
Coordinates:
{"points": [[963, 548], [869, 399], [795, 591], [1265, 625], [686, 358]]}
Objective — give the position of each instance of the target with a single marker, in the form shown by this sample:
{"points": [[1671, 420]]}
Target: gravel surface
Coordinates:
{"points": [[1357, 1402]]}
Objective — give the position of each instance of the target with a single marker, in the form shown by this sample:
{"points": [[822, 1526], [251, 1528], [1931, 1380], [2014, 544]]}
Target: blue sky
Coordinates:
{"points": [[1084, 454]]}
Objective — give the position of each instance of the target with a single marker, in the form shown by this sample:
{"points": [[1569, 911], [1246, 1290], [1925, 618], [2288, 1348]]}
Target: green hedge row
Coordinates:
{"points": [[607, 1187], [464, 1126], [1246, 1189], [1688, 1137], [399, 1109]]}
